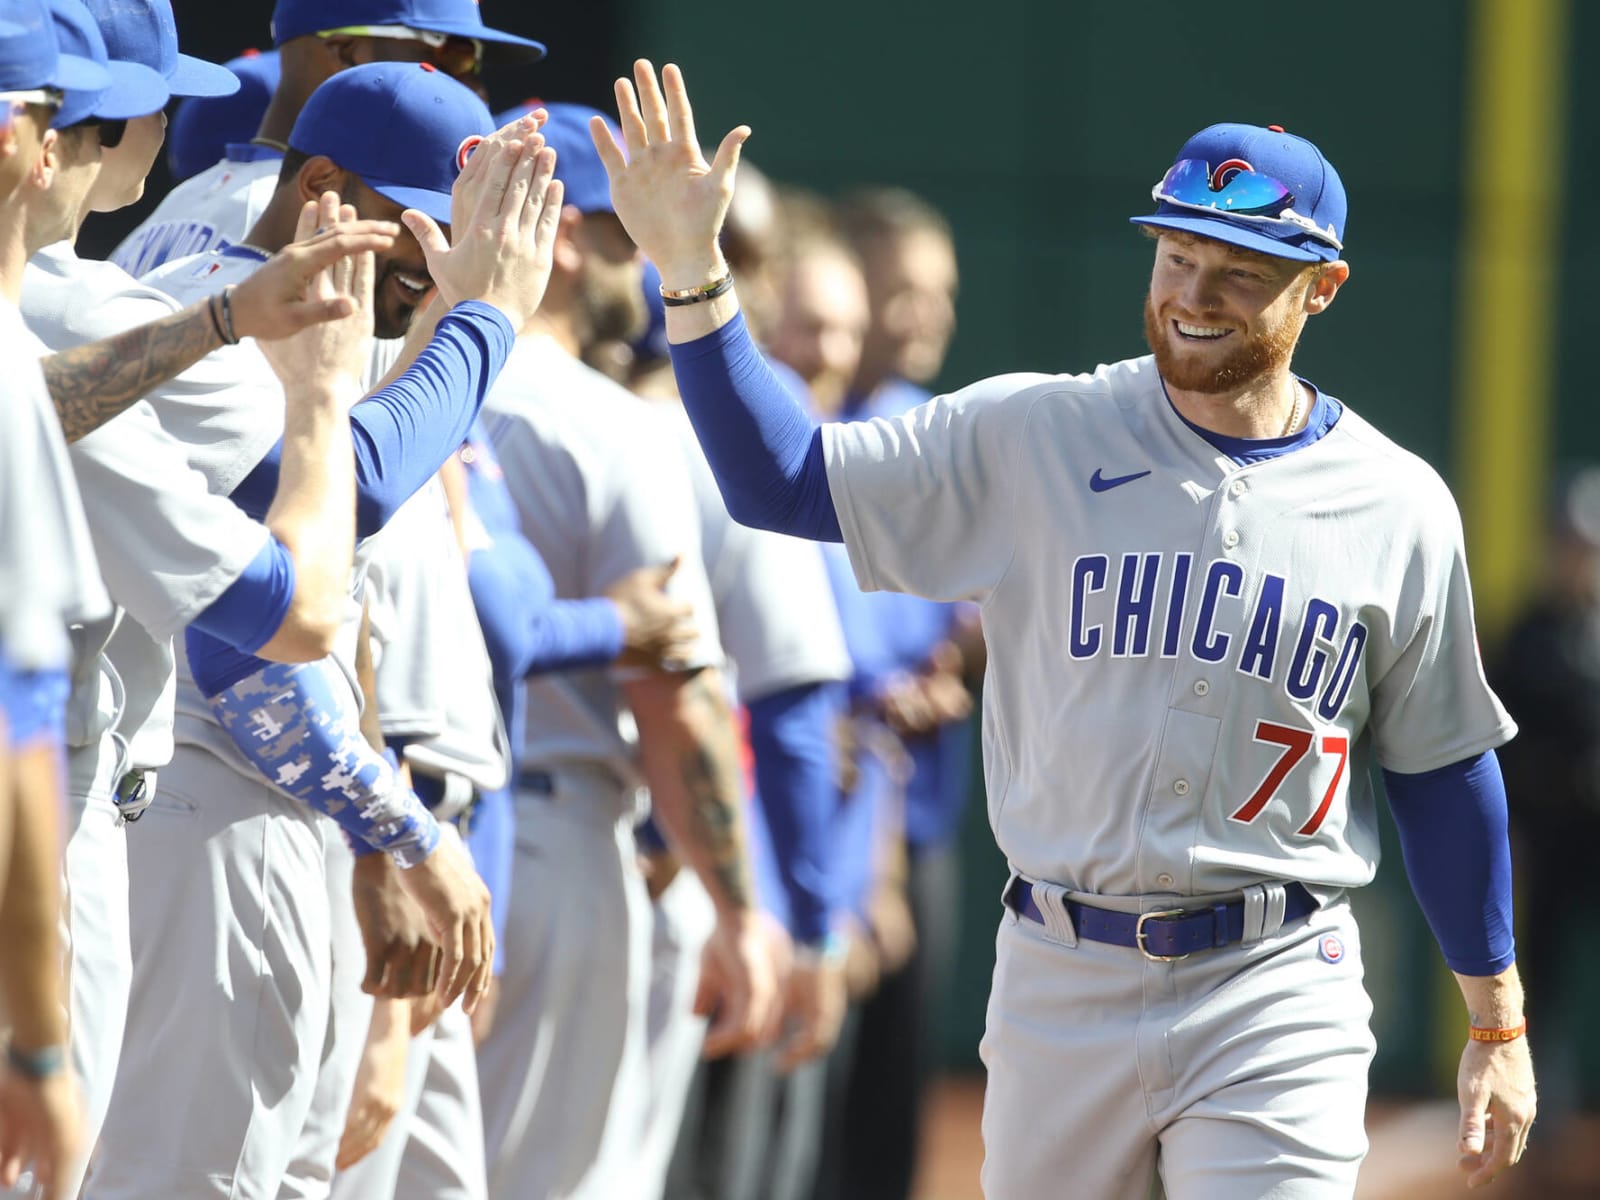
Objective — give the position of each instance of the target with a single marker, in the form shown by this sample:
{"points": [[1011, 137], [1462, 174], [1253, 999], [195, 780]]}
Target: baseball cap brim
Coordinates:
{"points": [[196, 77], [76, 74], [1235, 235], [501, 46], [135, 91], [435, 204]]}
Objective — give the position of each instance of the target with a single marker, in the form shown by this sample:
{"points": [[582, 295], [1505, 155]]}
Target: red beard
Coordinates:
{"points": [[1248, 361]]}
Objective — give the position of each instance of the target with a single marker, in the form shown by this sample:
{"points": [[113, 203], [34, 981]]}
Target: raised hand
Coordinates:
{"points": [[670, 200], [338, 347], [279, 299], [503, 252]]}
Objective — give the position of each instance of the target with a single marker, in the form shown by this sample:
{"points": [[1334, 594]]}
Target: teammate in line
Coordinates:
{"points": [[1185, 886]]}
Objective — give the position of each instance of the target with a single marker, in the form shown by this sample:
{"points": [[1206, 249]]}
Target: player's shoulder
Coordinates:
{"points": [[1018, 397], [206, 272], [69, 300], [1374, 451]]}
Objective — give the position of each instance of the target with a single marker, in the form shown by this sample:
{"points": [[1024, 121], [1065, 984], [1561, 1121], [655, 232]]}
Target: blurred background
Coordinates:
{"points": [[1036, 127]]}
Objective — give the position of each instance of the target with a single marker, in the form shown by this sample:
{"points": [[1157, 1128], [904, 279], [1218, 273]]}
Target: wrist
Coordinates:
{"points": [[39, 1063], [827, 951], [694, 270]]}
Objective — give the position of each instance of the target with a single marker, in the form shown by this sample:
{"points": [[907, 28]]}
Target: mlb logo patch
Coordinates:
{"points": [[1330, 949]]}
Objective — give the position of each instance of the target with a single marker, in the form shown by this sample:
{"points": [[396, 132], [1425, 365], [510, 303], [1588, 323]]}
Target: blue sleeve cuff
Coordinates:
{"points": [[35, 705], [253, 607], [1454, 839], [763, 447]]}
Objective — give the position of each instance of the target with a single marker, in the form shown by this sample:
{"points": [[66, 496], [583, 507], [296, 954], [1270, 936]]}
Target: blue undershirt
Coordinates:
{"points": [[1453, 837], [791, 739]]}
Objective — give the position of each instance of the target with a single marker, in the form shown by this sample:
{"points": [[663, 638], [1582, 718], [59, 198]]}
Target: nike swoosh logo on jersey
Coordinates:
{"points": [[1100, 484]]}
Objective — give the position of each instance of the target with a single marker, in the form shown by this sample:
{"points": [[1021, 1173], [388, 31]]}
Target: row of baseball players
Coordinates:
{"points": [[208, 1012], [1215, 598]]}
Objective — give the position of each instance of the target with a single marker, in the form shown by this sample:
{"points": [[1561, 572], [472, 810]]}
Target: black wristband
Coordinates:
{"points": [[228, 334], [696, 295]]}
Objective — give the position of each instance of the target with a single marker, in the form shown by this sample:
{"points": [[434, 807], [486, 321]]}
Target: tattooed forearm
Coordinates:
{"points": [[90, 384], [709, 766]]}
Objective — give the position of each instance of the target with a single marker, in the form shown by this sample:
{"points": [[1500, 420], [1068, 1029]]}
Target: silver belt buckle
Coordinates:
{"points": [[1139, 934]]}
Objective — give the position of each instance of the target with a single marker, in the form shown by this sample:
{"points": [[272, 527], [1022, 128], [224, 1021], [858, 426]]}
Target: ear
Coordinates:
{"points": [[568, 252], [320, 174], [1326, 285], [344, 50], [49, 160]]}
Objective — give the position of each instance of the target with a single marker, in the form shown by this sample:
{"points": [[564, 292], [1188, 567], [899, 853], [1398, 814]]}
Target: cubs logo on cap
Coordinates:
{"points": [[464, 151]]}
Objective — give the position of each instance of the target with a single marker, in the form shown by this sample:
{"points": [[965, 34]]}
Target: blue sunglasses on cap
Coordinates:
{"points": [[1243, 194]]}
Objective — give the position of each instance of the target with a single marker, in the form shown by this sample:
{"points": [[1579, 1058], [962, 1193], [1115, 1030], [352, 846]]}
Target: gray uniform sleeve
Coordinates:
{"points": [[167, 546], [927, 500], [1432, 705]]}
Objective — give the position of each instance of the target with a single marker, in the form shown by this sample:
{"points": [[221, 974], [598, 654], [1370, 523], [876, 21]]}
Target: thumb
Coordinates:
{"points": [[427, 232], [727, 156], [665, 572]]}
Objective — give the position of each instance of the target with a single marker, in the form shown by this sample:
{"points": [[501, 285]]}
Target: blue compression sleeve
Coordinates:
{"points": [[1453, 836], [35, 706], [297, 724], [491, 837], [764, 450], [526, 629], [403, 433], [791, 737], [252, 608]]}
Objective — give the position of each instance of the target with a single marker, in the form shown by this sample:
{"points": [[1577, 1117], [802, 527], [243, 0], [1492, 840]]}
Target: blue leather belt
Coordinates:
{"points": [[1164, 935]]}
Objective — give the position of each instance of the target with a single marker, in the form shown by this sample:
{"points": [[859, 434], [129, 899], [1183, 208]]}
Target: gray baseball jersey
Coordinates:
{"points": [[48, 577], [215, 208], [600, 488], [775, 609], [1191, 663], [167, 545]]}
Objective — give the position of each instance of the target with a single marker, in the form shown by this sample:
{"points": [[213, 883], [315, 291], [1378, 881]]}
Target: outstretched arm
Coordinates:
{"points": [[764, 449]]}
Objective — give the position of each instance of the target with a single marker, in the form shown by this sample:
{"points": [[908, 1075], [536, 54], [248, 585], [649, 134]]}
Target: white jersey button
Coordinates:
{"points": [[1181, 786], [1201, 687], [1230, 539], [1165, 880], [1237, 488]]}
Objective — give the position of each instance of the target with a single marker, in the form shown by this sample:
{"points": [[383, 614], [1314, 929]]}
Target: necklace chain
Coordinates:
{"points": [[1294, 413]]}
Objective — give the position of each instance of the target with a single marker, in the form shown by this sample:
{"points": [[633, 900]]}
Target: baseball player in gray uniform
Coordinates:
{"points": [[600, 490], [1215, 596]]}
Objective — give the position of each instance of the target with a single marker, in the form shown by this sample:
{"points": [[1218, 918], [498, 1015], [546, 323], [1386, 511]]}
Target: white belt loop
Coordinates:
{"points": [[1052, 901], [1277, 895], [1255, 913]]}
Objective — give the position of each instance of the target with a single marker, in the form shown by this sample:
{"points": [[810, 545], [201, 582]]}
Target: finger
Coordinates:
{"points": [[1473, 1112], [311, 257], [377, 969], [518, 184], [730, 1031], [471, 960], [651, 103], [327, 209], [452, 963], [302, 314], [726, 161], [496, 178], [679, 114], [307, 224], [605, 144], [427, 232], [544, 233], [538, 193], [478, 986], [433, 963], [364, 270], [628, 116], [665, 573]]}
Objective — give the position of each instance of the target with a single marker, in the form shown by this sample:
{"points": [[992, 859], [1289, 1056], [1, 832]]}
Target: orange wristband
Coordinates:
{"points": [[1498, 1035]]}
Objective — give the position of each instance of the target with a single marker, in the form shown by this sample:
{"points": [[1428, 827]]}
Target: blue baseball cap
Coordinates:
{"points": [[144, 31], [1256, 187], [203, 127], [404, 129], [30, 57], [135, 91], [296, 18], [578, 165]]}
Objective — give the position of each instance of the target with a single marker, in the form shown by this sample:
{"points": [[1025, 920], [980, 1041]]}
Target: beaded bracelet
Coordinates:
{"points": [[1509, 1034]]}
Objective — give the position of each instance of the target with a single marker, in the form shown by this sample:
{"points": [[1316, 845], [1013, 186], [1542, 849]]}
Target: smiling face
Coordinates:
{"points": [[401, 284], [1219, 317]]}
